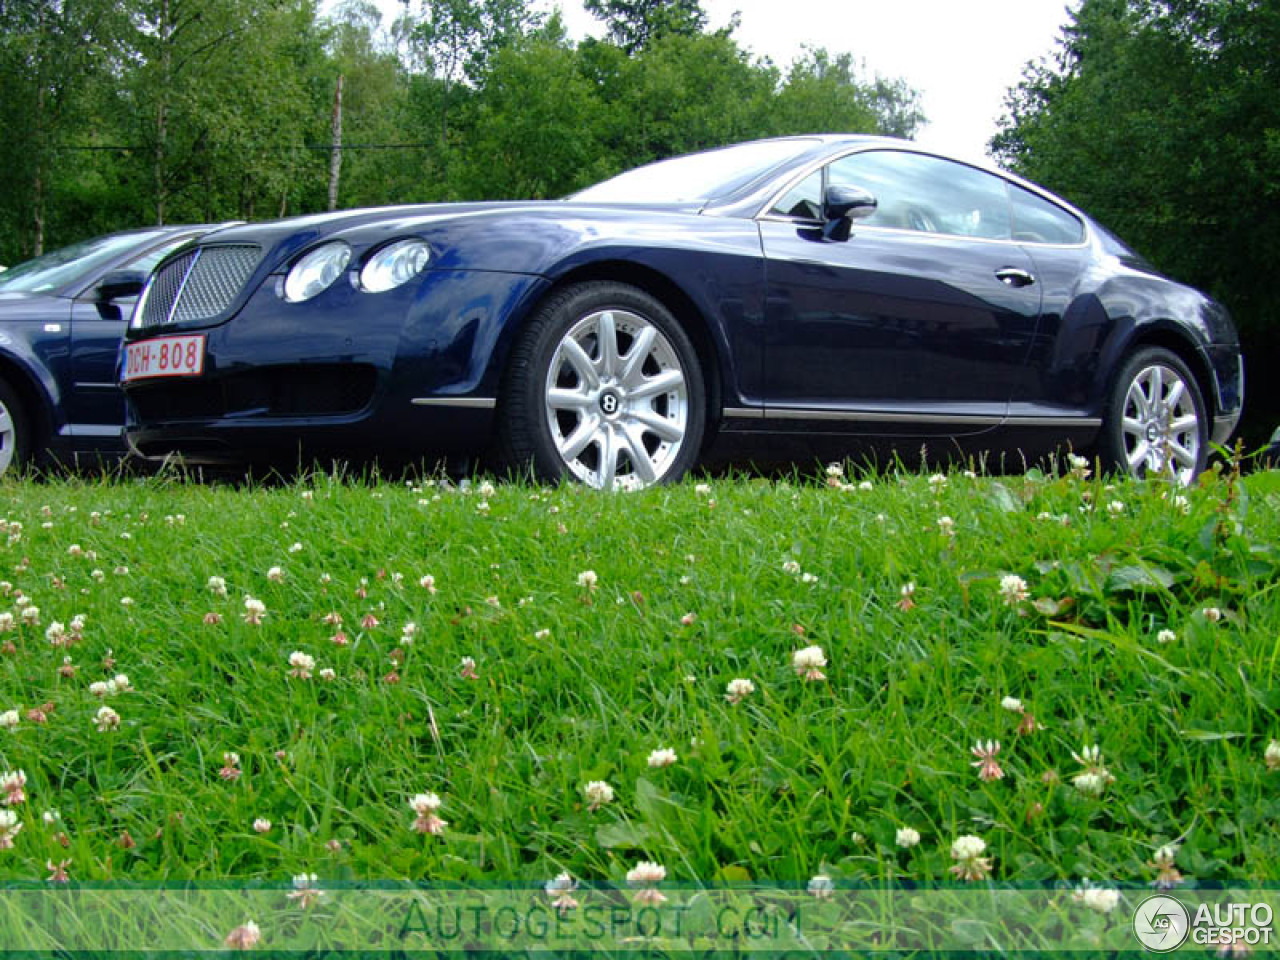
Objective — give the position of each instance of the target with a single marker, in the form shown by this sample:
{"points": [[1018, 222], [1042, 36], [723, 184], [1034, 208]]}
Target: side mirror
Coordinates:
{"points": [[121, 284], [841, 205]]}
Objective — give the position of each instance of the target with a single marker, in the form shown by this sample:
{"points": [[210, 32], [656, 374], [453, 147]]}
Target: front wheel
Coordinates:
{"points": [[604, 386], [1156, 424]]}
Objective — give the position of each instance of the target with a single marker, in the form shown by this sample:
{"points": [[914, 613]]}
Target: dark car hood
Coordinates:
{"points": [[305, 230]]}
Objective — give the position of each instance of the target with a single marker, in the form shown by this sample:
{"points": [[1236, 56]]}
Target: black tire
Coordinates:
{"points": [[15, 438], [627, 404], [1127, 431]]}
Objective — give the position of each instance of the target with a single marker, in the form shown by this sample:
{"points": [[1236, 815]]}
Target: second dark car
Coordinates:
{"points": [[61, 319], [831, 287]]}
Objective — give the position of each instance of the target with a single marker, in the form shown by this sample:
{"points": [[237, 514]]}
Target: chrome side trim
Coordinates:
{"points": [[873, 416], [1053, 421], [800, 413], [468, 403]]}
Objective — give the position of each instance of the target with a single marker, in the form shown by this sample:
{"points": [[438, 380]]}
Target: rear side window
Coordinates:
{"points": [[1036, 220]]}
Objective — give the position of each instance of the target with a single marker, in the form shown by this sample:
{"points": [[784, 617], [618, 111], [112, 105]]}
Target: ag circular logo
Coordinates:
{"points": [[1161, 923]]}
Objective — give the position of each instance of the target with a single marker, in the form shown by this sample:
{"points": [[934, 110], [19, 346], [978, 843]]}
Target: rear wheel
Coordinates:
{"points": [[14, 440], [1156, 423], [603, 387]]}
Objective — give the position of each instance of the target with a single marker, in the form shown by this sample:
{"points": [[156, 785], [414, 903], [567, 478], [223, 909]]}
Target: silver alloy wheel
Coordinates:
{"points": [[8, 437], [1161, 426], [617, 400]]}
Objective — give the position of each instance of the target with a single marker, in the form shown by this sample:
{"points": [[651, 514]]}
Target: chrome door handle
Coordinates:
{"points": [[1015, 277]]}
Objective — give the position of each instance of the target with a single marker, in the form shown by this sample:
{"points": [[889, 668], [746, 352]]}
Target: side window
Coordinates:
{"points": [[1036, 220], [804, 200], [929, 194]]}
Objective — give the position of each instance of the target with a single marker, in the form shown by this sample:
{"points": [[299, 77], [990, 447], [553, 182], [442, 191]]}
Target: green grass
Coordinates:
{"points": [[800, 778]]}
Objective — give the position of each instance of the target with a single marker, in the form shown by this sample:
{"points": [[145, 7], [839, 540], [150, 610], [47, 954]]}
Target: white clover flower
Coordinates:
{"points": [[30, 616], [1271, 755], [10, 827], [588, 579], [261, 825], [302, 664], [906, 837], [1181, 504], [305, 890], [56, 634], [808, 662], [6, 622], [106, 719], [808, 578], [276, 575], [9, 720], [646, 875], [598, 793], [1097, 899], [217, 585], [1115, 507], [866, 486], [946, 526], [835, 469], [739, 689], [424, 804], [968, 847], [1095, 777], [1212, 614], [254, 610], [790, 566], [821, 886], [327, 674], [1013, 589], [702, 489], [664, 757], [542, 634], [1012, 704], [102, 688], [1166, 636], [51, 816], [427, 583], [121, 682]]}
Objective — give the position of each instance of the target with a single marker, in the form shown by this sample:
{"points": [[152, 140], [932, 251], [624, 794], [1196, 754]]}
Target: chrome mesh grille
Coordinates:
{"points": [[164, 290], [199, 285]]}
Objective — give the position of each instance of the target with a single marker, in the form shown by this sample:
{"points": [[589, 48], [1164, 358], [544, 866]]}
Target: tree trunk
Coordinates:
{"points": [[335, 158]]}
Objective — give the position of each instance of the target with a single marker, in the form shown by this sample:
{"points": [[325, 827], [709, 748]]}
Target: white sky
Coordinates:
{"points": [[962, 55]]}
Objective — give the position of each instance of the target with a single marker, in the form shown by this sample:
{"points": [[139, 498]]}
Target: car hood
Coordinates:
{"points": [[14, 297], [305, 230]]}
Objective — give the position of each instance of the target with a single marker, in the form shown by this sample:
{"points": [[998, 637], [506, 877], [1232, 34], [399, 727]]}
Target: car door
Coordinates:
{"points": [[95, 405], [924, 316]]}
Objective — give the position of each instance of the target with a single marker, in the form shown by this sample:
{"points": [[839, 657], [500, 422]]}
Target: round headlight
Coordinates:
{"points": [[316, 271], [395, 264]]}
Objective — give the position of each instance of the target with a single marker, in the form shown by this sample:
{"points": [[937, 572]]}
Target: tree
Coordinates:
{"points": [[454, 39], [634, 24], [824, 94], [50, 53], [1162, 118]]}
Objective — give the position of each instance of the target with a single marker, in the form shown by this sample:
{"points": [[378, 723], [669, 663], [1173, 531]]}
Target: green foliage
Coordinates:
{"points": [[1162, 119], [634, 24], [694, 587], [208, 110]]}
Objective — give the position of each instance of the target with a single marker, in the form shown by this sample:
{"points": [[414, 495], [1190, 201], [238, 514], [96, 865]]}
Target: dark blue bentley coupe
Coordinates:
{"points": [[832, 289]]}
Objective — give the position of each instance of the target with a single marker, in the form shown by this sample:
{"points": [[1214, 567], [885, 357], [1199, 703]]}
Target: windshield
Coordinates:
{"points": [[70, 264], [696, 177]]}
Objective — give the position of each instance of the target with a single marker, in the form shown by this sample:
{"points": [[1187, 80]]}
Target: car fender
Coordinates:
{"points": [[20, 366]]}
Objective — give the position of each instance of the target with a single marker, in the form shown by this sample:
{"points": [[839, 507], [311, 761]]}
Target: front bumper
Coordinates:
{"points": [[337, 375]]}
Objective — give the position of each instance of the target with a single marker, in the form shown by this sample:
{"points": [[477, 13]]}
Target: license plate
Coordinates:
{"points": [[164, 357]]}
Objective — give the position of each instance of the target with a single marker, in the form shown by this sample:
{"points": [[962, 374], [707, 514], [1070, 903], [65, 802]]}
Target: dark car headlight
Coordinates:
{"points": [[316, 271], [394, 264]]}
